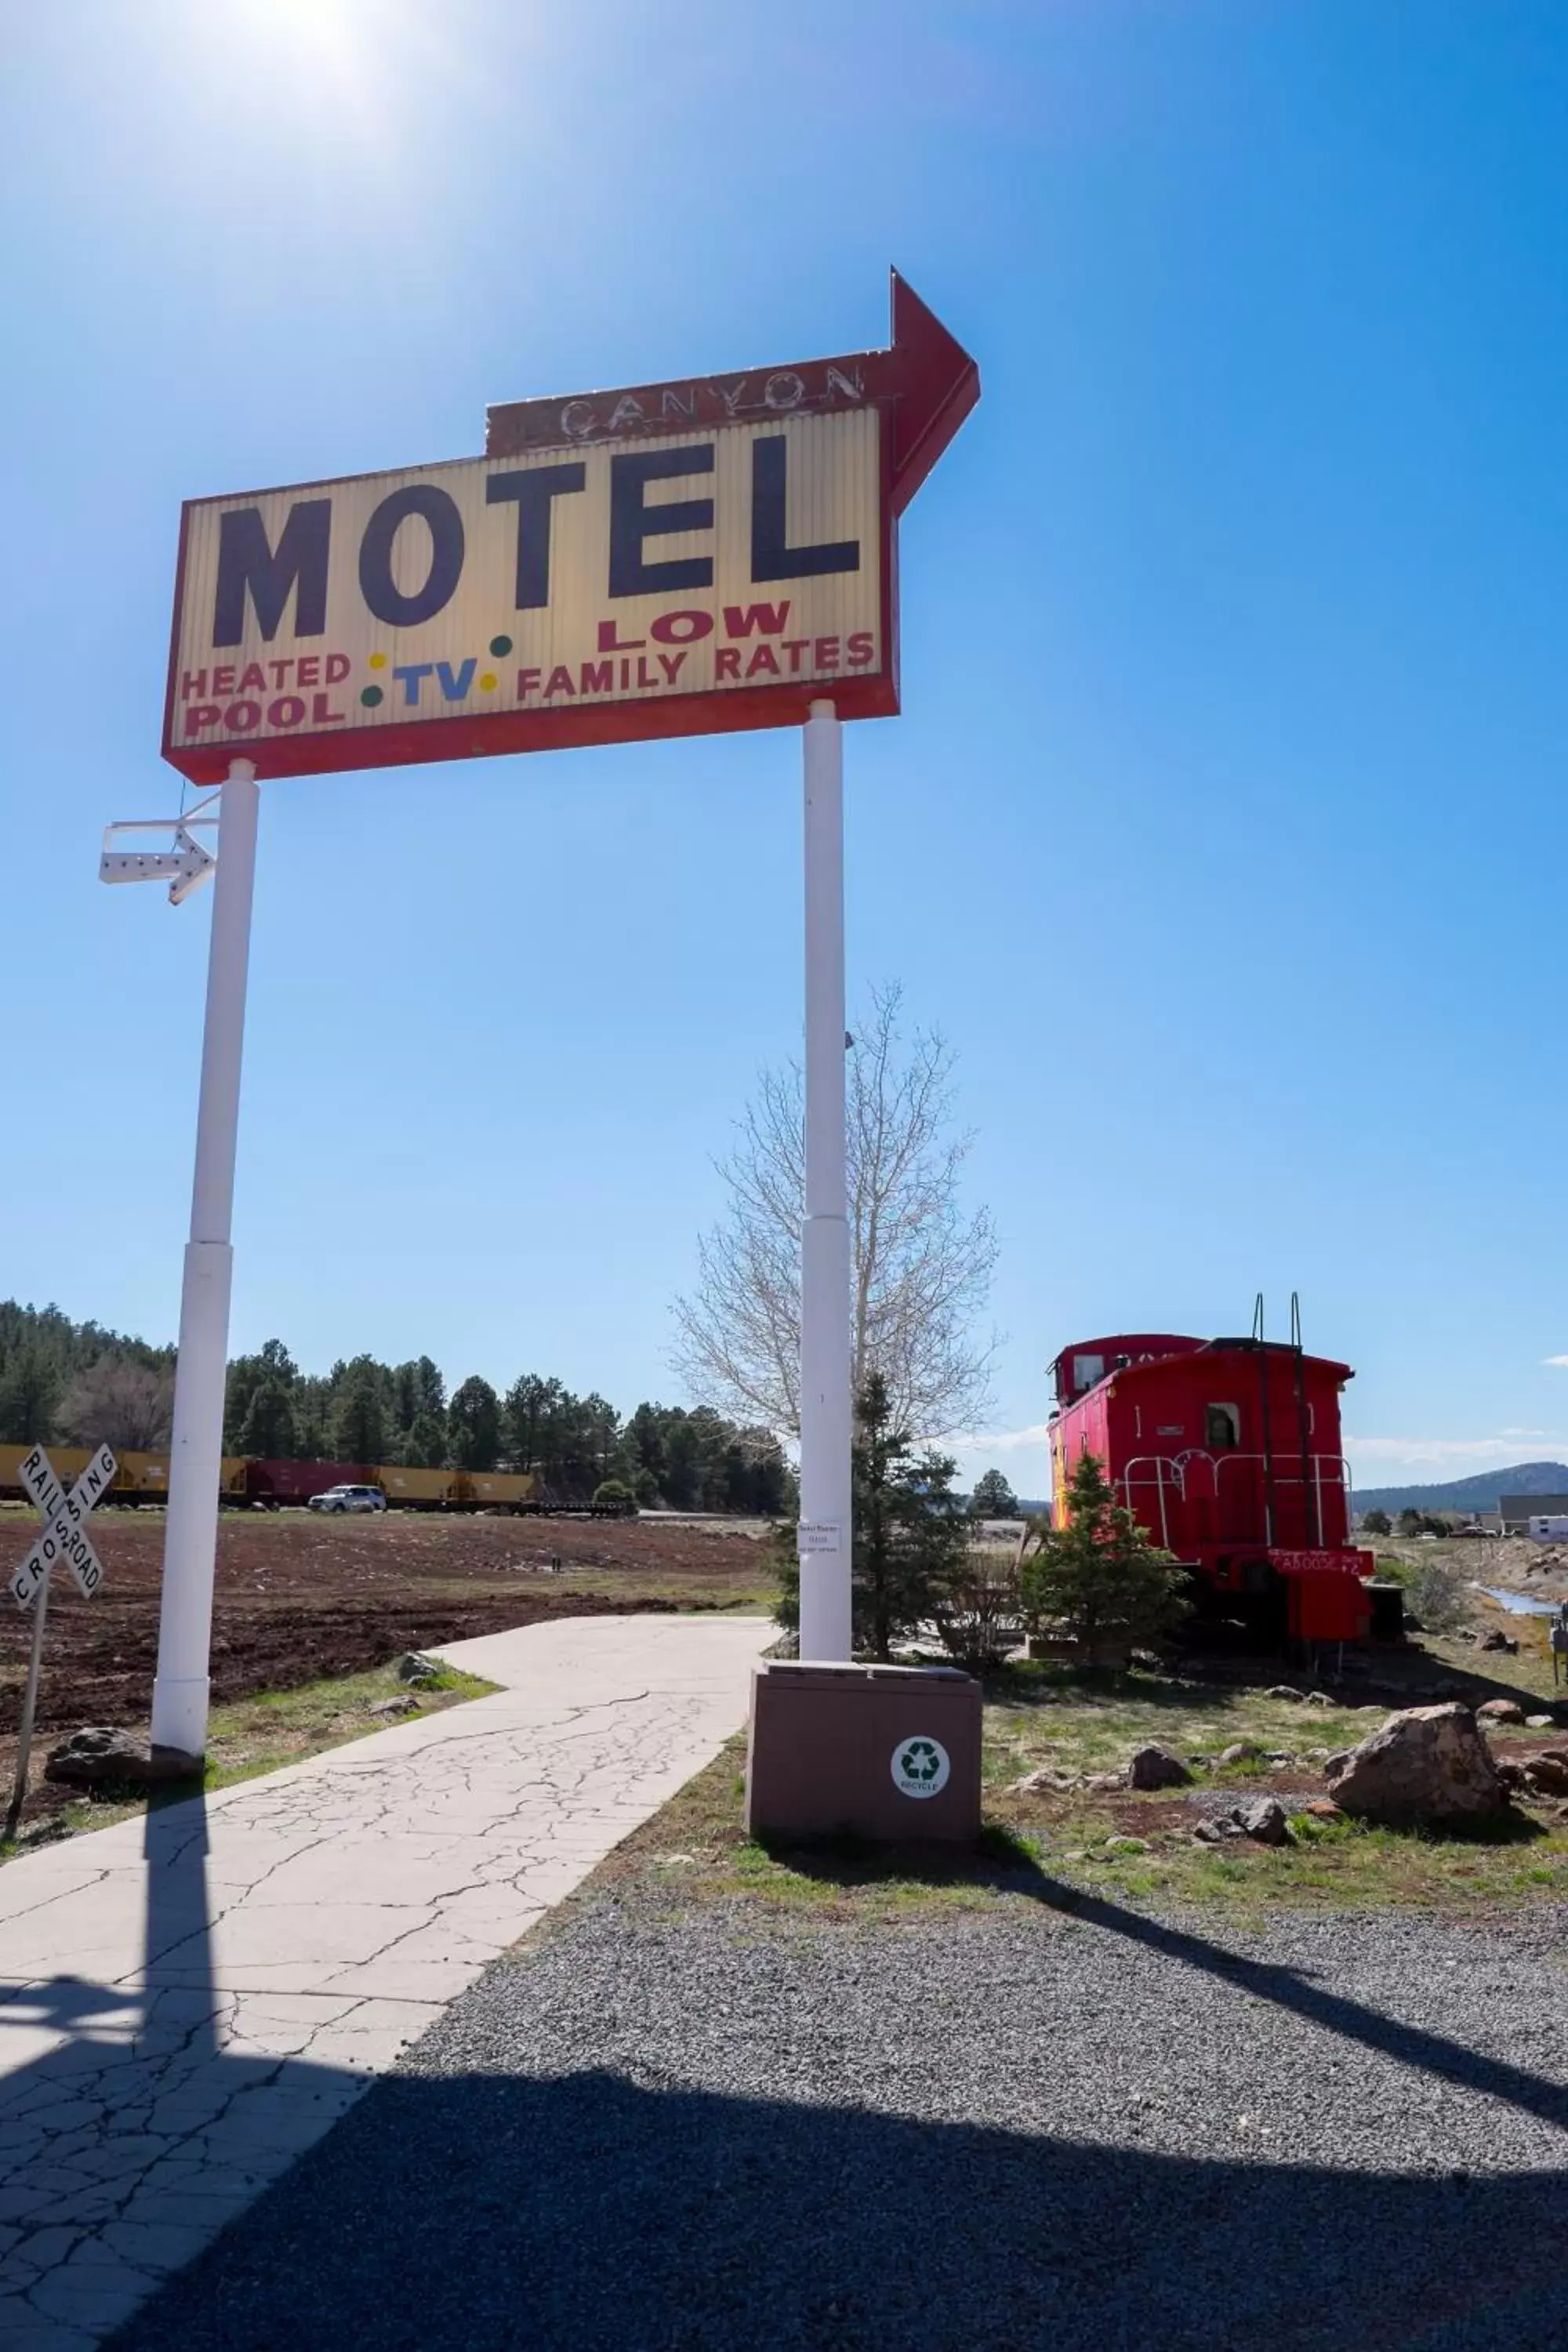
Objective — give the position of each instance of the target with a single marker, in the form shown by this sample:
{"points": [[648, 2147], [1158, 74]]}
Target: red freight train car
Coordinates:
{"points": [[1228, 1451]]}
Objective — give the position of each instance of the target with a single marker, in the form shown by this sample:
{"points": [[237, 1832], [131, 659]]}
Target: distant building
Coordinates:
{"points": [[1517, 1511]]}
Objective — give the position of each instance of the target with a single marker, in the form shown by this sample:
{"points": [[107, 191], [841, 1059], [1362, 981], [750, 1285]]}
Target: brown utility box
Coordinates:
{"points": [[884, 1752]]}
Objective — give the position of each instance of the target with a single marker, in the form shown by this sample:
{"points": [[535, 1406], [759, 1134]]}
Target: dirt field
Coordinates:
{"points": [[301, 1596]]}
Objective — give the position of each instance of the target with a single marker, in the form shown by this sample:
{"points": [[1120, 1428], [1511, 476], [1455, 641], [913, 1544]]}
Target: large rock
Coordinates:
{"points": [[100, 1755], [1430, 1764], [1156, 1768]]}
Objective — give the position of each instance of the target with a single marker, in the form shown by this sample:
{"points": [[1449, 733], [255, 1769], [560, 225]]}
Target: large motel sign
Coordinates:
{"points": [[681, 558]]}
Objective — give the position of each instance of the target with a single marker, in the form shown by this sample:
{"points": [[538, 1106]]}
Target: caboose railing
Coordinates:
{"points": [[1167, 1473], [1185, 1475]]}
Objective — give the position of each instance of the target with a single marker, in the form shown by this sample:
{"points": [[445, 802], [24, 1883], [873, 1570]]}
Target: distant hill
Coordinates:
{"points": [[1479, 1493]]}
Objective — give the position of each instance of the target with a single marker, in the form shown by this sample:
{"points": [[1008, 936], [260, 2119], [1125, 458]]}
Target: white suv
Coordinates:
{"points": [[350, 1498]]}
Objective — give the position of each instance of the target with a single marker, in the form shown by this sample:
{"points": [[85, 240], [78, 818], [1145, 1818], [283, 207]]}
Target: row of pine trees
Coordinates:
{"points": [[82, 1384]]}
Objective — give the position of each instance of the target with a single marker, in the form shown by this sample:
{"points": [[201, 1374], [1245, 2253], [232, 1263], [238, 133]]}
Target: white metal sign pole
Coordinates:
{"points": [[190, 1539], [825, 1400]]}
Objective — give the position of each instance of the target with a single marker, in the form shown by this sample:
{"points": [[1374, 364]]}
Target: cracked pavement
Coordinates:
{"points": [[188, 2002]]}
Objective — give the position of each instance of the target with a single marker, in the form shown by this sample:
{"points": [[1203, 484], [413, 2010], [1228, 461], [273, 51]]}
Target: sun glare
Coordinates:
{"points": [[348, 70]]}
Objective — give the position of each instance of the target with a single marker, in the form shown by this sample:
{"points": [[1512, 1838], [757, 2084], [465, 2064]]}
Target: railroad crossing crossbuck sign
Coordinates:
{"points": [[65, 1524]]}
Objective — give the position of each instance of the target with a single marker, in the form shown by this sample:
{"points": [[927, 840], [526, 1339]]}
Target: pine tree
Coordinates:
{"points": [[30, 1389], [267, 1429], [473, 1426], [994, 1498], [359, 1417], [424, 1446], [911, 1537], [1098, 1575]]}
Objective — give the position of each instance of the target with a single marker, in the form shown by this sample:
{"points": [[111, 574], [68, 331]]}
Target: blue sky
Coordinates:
{"points": [[1220, 827]]}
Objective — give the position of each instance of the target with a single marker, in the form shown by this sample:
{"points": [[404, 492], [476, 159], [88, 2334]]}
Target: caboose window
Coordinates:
{"points": [[1222, 1425], [1085, 1371]]}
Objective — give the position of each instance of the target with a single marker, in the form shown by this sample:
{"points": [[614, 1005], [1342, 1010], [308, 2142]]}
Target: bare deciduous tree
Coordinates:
{"points": [[920, 1266], [125, 1405]]}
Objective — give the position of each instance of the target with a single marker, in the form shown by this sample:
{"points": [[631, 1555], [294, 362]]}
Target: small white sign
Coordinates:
{"points": [[920, 1767], [818, 1535]]}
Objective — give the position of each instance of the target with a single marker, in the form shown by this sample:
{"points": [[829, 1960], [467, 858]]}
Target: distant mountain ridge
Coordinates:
{"points": [[1479, 1493]]}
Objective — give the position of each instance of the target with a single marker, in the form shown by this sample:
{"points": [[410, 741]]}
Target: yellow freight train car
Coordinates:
{"points": [[144, 1478]]}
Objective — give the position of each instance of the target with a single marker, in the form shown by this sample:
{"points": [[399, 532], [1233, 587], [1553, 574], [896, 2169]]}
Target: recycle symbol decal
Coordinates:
{"points": [[920, 1767]]}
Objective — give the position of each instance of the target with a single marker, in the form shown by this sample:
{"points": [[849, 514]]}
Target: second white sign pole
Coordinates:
{"points": [[825, 1631], [195, 1452]]}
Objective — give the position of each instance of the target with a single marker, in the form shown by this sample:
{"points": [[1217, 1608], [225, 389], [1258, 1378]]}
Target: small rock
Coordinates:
{"points": [[1499, 1710], [101, 1753], [1537, 1722], [1156, 1768], [1546, 1775], [387, 1708], [1208, 1834], [1286, 1691], [1048, 1776], [1127, 1845], [1240, 1751], [1496, 1640], [1264, 1821], [1320, 1698], [1101, 1782], [1319, 1755], [413, 1666]]}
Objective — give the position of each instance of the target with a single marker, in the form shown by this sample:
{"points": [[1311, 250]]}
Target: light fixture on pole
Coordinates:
{"points": [[190, 1534], [185, 865]]}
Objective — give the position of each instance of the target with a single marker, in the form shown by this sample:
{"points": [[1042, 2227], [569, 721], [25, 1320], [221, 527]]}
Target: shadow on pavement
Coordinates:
{"points": [[126, 2145], [1013, 1871], [481, 2212], [589, 2209]]}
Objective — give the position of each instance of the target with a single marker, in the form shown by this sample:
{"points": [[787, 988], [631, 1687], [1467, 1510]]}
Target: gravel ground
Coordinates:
{"points": [[1029, 2129]]}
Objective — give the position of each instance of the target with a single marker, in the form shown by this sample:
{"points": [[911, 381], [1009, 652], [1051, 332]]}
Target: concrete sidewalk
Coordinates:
{"points": [[188, 2002]]}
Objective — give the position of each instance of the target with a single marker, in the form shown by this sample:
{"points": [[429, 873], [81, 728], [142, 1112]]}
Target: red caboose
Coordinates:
{"points": [[1228, 1451]]}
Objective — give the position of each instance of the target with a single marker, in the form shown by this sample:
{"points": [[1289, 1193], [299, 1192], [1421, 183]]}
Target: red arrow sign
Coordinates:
{"points": [[926, 381]]}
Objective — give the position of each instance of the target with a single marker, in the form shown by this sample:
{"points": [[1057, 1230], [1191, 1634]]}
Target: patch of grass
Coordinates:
{"points": [[1048, 1844], [251, 1736]]}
